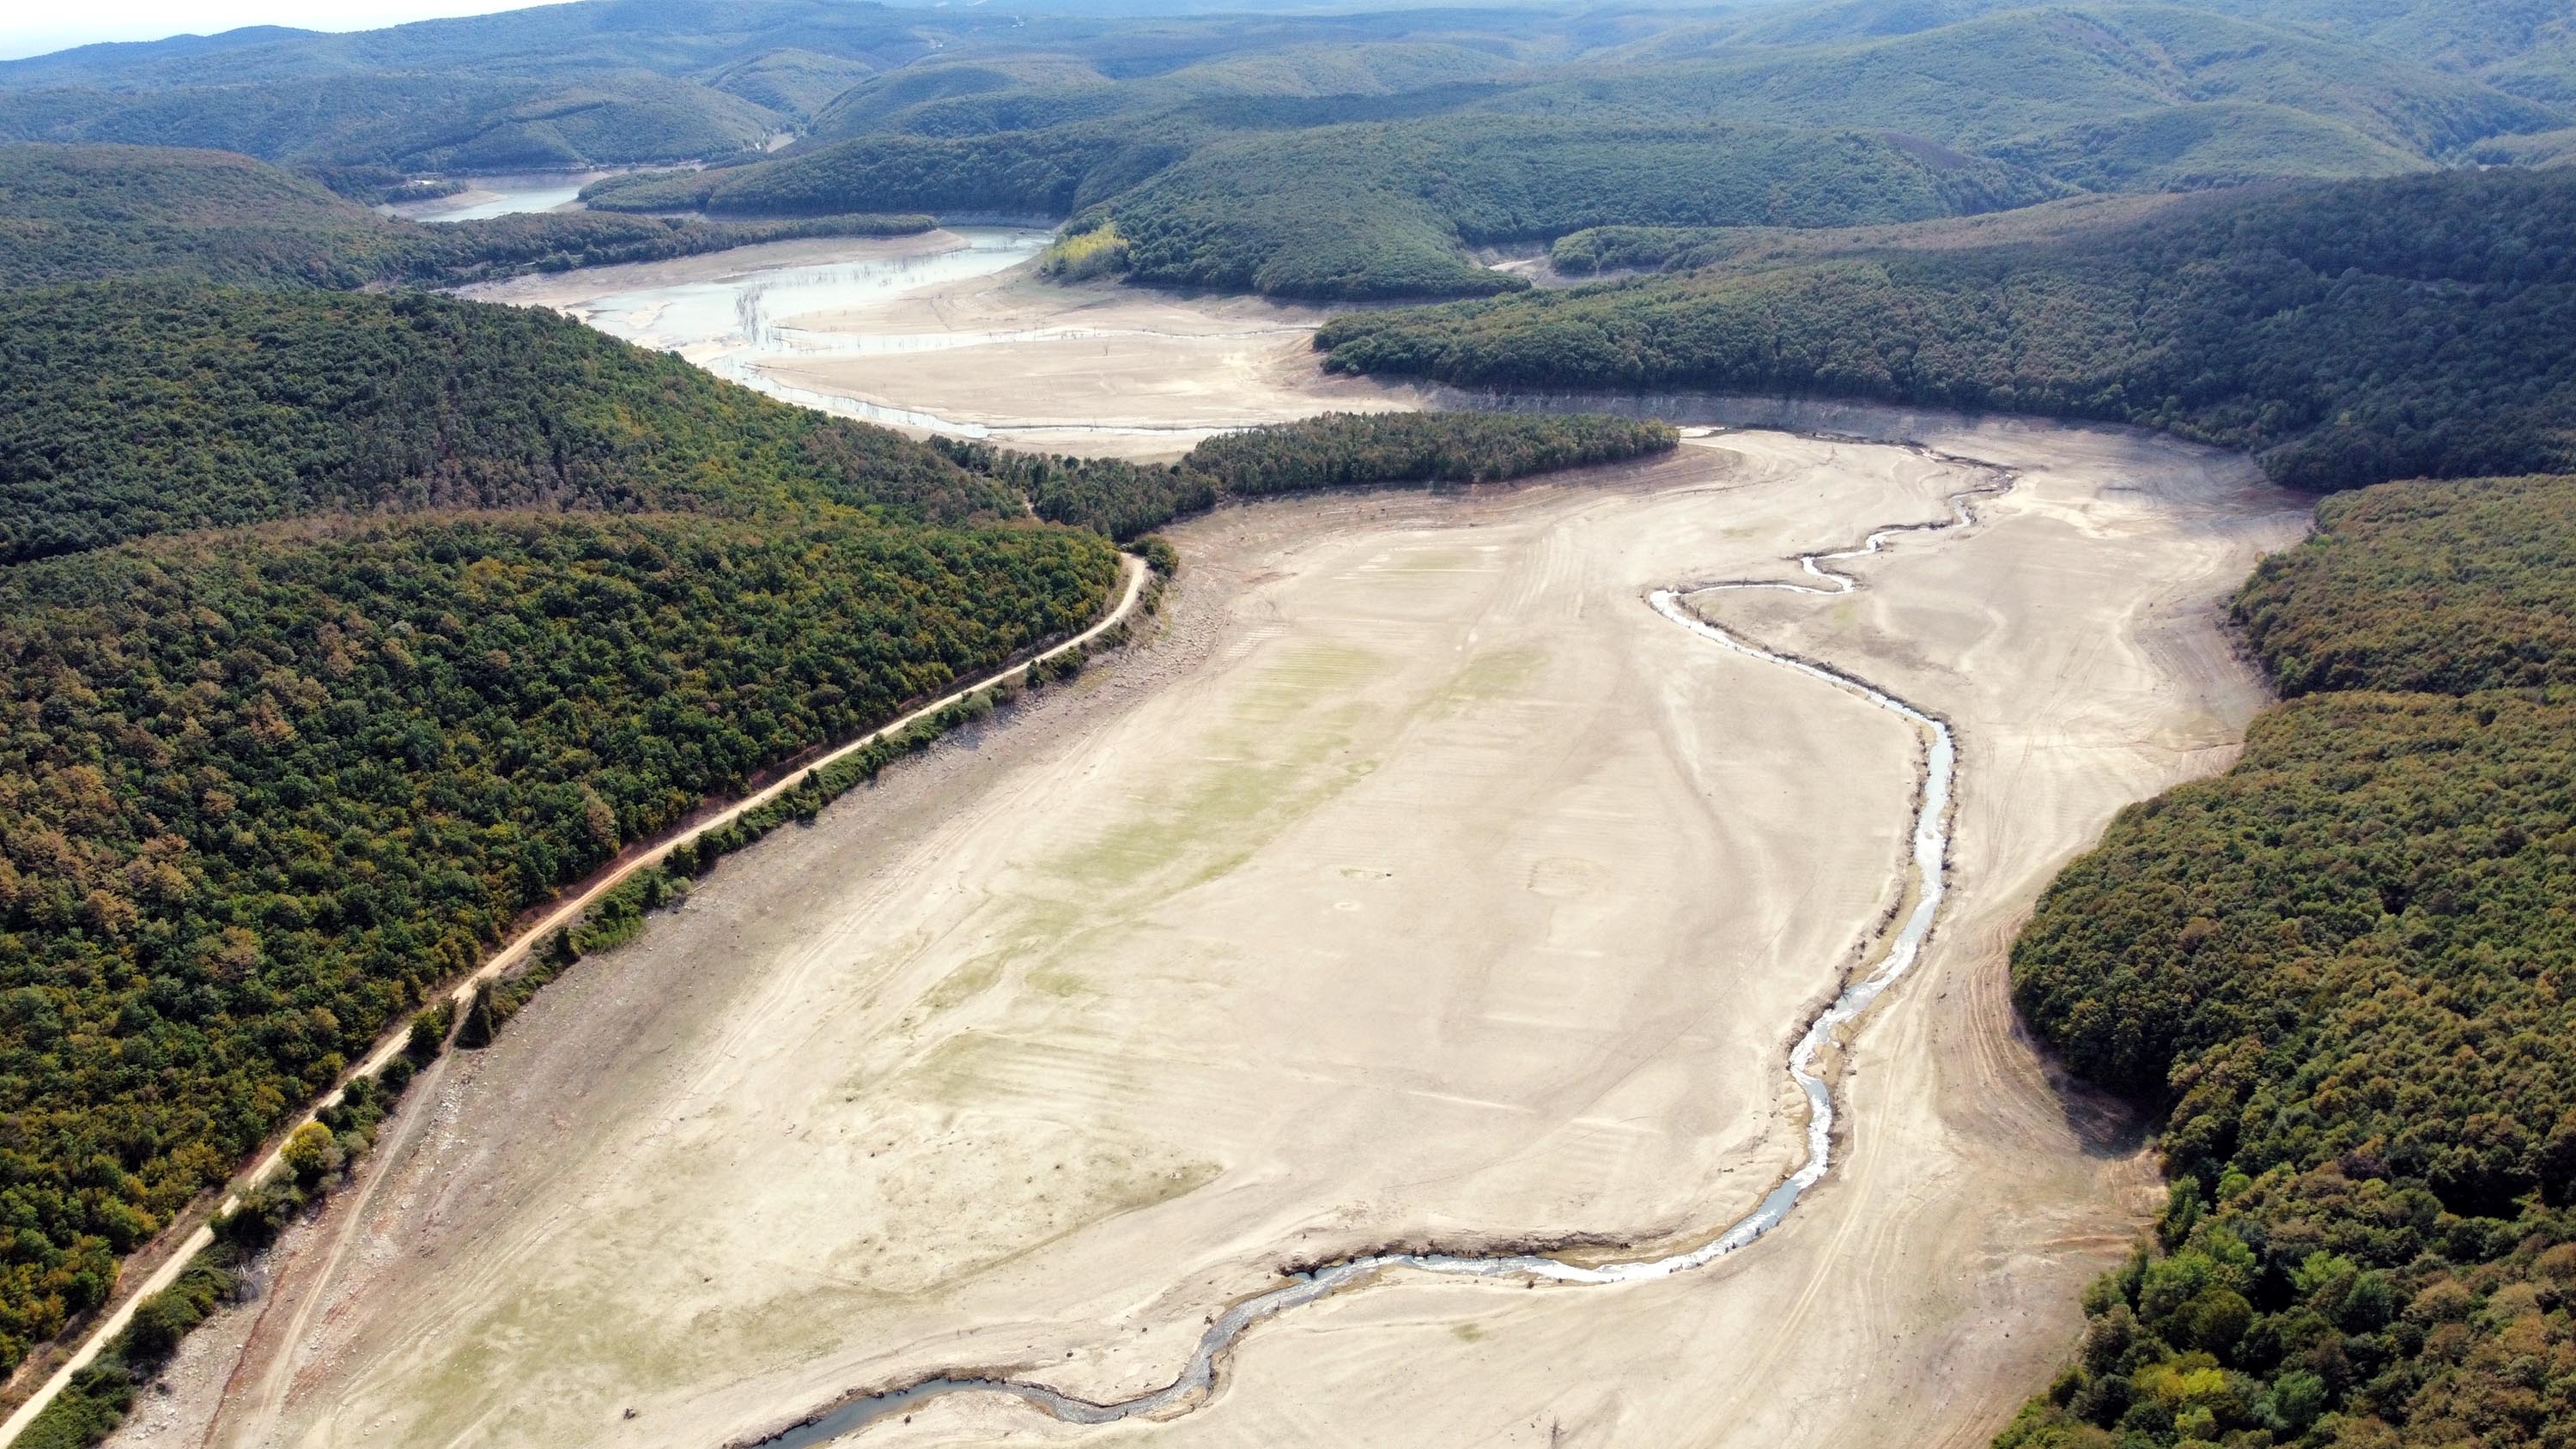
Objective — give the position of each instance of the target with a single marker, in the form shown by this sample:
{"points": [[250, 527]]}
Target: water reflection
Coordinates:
{"points": [[490, 196]]}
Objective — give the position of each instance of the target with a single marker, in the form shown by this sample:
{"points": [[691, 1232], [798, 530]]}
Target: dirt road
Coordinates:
{"points": [[1132, 576]]}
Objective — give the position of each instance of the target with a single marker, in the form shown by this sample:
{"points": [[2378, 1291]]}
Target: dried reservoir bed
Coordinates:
{"points": [[1417, 884]]}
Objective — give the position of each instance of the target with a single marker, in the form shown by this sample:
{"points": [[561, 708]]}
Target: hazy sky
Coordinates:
{"points": [[32, 27]]}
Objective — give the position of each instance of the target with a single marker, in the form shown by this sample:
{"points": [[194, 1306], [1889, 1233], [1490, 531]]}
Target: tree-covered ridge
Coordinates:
{"points": [[259, 791], [1995, 79], [1107, 495], [2346, 965], [1333, 450], [92, 213], [1345, 449], [1383, 210], [1018, 173], [78, 213], [612, 82], [2447, 587], [1244, 180], [2343, 970], [2513, 45], [2349, 333], [453, 252], [127, 411], [132, 411], [446, 121]]}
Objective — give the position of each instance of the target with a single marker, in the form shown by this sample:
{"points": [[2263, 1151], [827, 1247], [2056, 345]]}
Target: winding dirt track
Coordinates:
{"points": [[1132, 574], [1416, 886]]}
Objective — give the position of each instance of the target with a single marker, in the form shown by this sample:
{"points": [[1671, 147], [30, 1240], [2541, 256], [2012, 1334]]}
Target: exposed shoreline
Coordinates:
{"points": [[1575, 1256], [442, 1199]]}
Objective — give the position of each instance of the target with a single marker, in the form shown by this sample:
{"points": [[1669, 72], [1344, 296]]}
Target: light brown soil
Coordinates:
{"points": [[1123, 364], [562, 290], [1418, 883]]}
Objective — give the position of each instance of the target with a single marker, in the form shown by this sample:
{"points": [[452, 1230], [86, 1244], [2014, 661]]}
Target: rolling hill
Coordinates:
{"points": [[2347, 332], [90, 213]]}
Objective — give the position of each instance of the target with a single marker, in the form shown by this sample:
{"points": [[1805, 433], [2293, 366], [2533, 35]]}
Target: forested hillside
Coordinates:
{"points": [[88, 213], [607, 82], [2448, 587], [1331, 450], [339, 626], [2348, 334], [263, 791], [1382, 211], [139, 410], [450, 121], [2342, 971], [1989, 79], [2515, 46], [1337, 450], [338, 629], [262, 787], [1330, 155], [1370, 170], [595, 83]]}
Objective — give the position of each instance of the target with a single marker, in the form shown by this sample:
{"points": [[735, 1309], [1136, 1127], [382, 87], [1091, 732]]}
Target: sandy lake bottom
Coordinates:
{"points": [[1414, 882]]}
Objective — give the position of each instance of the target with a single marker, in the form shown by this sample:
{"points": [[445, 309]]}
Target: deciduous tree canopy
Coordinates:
{"points": [[2344, 968], [2349, 333]]}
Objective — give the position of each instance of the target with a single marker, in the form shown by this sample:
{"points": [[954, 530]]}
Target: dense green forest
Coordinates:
{"points": [[265, 790], [1344, 449], [1350, 156], [2448, 587], [1333, 450], [1379, 210], [88, 213], [433, 122], [607, 82], [2342, 970], [1108, 495], [262, 787], [1366, 170], [1011, 173], [132, 410], [1382, 210], [2347, 333]]}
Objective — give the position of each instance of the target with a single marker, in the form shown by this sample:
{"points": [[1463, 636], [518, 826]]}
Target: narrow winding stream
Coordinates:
{"points": [[1927, 883]]}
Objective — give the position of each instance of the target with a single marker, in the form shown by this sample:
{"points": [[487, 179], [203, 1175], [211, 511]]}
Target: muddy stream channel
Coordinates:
{"points": [[1899, 947]]}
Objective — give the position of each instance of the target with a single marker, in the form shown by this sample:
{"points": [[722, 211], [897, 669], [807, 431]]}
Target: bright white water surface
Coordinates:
{"points": [[509, 195]]}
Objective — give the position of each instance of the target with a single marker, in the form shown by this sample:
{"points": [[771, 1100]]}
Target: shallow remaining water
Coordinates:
{"points": [[508, 195], [1926, 884]]}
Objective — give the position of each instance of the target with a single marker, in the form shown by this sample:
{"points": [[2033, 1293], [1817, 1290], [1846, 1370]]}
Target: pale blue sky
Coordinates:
{"points": [[33, 27]]}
